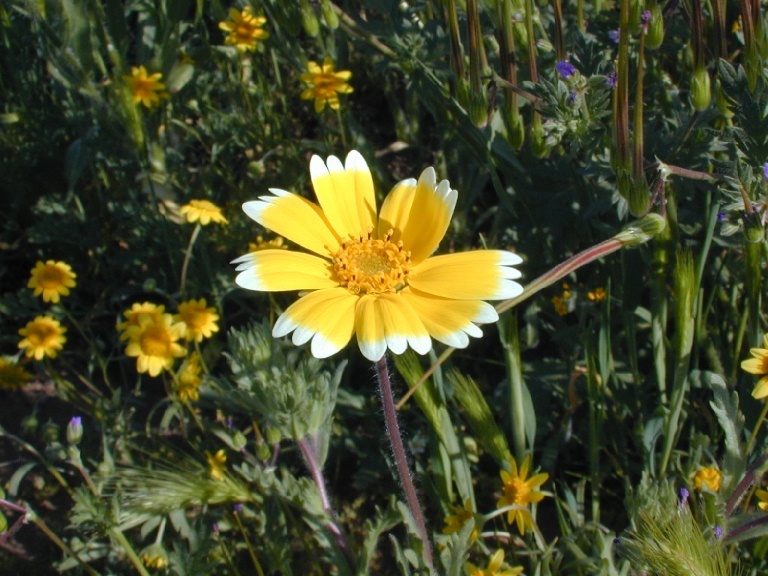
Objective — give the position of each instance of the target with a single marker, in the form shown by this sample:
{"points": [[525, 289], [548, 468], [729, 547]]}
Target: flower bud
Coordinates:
{"points": [[538, 139], [753, 228], [701, 89], [329, 14], [309, 19], [655, 35], [515, 129], [75, 430], [238, 440]]}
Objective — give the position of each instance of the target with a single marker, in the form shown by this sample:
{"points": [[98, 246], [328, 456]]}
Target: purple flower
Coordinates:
{"points": [[612, 80], [682, 498], [572, 95], [646, 16], [718, 532], [75, 430], [565, 68], [614, 35], [237, 507], [765, 170]]}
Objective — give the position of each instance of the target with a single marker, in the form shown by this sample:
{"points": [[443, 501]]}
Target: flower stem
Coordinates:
{"points": [[187, 256], [309, 453], [393, 431]]}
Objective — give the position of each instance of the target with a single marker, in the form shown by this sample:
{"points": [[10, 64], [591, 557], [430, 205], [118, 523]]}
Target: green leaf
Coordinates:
{"points": [[725, 405]]}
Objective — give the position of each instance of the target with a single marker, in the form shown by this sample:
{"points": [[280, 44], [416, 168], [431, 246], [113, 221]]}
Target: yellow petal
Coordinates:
{"points": [[423, 218], [277, 270], [327, 317], [296, 219], [345, 193], [396, 208], [753, 365], [482, 274], [761, 388], [450, 321], [395, 323]]}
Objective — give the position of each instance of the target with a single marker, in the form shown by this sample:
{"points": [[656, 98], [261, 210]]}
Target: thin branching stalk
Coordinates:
{"points": [[187, 256]]}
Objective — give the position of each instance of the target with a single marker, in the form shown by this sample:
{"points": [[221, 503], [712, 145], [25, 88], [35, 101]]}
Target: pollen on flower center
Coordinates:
{"points": [[372, 265], [155, 341], [51, 278], [518, 491]]}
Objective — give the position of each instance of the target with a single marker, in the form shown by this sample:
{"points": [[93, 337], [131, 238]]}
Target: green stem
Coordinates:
{"points": [[393, 431], [37, 521], [117, 534], [187, 256], [511, 343]]}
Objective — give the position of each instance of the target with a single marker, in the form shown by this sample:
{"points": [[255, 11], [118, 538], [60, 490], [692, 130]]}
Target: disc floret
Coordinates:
{"points": [[367, 265]]}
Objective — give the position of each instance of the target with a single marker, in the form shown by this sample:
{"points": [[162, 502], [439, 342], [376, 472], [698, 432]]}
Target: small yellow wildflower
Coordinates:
{"points": [[598, 295], [559, 305], [454, 522], [244, 29], [203, 211], [12, 376], [153, 343], [189, 379], [325, 84], [199, 321], [154, 556], [216, 464], [52, 280], [519, 491], [146, 88], [762, 495], [277, 243], [494, 567], [155, 311], [43, 336], [708, 478], [758, 364]]}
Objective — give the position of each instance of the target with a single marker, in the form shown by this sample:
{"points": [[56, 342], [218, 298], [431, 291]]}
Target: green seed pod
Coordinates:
{"points": [[538, 139], [3, 523], [638, 197], [238, 440], [655, 35], [329, 14], [753, 228], [723, 102], [701, 89], [635, 12], [309, 19], [263, 452], [273, 435], [515, 129]]}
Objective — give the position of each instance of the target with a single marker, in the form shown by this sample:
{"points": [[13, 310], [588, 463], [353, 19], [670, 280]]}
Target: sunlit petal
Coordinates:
{"points": [[345, 193], [482, 274], [296, 219], [278, 270]]}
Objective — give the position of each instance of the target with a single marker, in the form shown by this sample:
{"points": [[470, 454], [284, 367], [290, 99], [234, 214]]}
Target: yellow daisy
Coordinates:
{"points": [[203, 211], [711, 478], [494, 567], [153, 343], [454, 522], [758, 364], [155, 311], [52, 280], [519, 491], [43, 336], [189, 379], [146, 88], [244, 29], [325, 84], [374, 277], [12, 376], [199, 321]]}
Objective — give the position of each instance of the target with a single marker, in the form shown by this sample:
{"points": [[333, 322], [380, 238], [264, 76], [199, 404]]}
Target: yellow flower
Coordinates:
{"points": [[710, 478], [204, 211], [244, 29], [277, 243], [559, 305], [189, 379], [132, 316], [762, 496], [372, 278], [199, 321], [597, 296], [52, 280], [43, 337], [154, 556], [325, 85], [494, 567], [216, 463], [454, 522], [153, 343], [520, 492], [758, 364], [146, 88], [12, 376]]}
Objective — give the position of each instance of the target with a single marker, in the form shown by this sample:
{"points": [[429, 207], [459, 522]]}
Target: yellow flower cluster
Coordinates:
{"points": [[12, 376], [51, 280], [153, 338]]}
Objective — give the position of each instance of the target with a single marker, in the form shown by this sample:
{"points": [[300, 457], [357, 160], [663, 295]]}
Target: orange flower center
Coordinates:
{"points": [[517, 491], [144, 88], [51, 278], [372, 266], [155, 341], [42, 334], [195, 319], [325, 85]]}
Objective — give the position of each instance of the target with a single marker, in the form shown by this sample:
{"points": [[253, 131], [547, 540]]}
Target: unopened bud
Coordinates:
{"points": [[309, 19], [701, 89], [238, 441], [329, 14], [655, 35], [75, 431]]}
